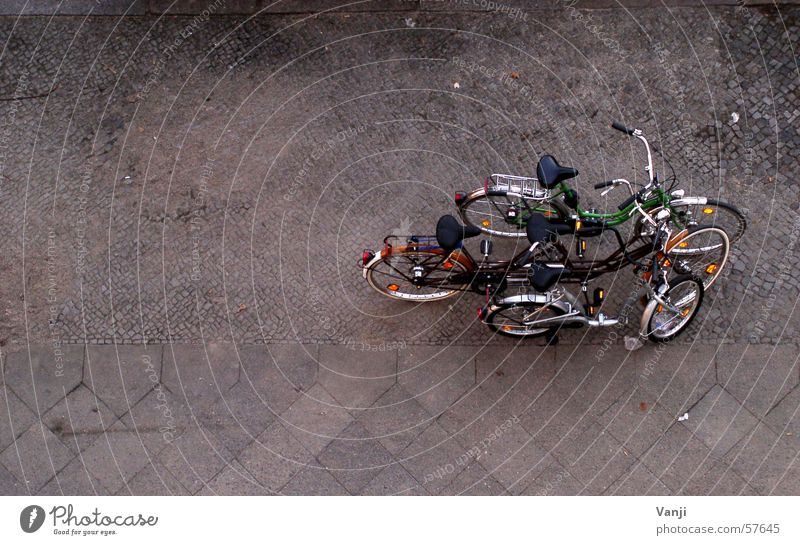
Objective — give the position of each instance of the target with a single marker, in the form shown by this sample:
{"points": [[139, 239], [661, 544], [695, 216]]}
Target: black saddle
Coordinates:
{"points": [[550, 173], [450, 233], [543, 277], [542, 229]]}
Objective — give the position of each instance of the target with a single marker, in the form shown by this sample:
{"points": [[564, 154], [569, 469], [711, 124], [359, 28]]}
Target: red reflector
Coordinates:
{"points": [[480, 313], [460, 196], [367, 256]]}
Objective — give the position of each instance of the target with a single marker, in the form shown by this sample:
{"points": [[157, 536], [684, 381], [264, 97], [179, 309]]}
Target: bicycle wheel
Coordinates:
{"points": [[393, 275], [499, 214], [520, 319], [713, 213], [683, 298], [702, 251]]}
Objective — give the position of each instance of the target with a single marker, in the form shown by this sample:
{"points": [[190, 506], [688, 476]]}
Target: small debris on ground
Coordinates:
{"points": [[684, 417], [633, 343]]}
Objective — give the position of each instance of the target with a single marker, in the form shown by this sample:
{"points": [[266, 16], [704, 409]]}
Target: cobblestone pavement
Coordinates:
{"points": [[185, 198]]}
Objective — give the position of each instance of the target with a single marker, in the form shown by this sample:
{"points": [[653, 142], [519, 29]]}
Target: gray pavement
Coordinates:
{"points": [[311, 419], [184, 199]]}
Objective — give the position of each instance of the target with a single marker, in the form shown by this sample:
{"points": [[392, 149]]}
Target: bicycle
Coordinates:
{"points": [[428, 268], [501, 207]]}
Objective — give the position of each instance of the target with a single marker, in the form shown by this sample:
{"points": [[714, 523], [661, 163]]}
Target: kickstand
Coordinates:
{"points": [[551, 337]]}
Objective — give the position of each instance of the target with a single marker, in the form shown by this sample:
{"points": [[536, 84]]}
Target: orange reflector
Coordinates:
{"points": [[684, 312], [507, 328], [601, 294], [683, 244], [577, 224], [708, 210], [392, 287], [486, 223], [659, 308], [448, 265], [547, 213], [711, 268], [667, 262]]}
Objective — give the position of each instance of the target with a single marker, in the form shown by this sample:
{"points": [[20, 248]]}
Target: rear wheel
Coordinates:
{"points": [[683, 300], [703, 251], [713, 213], [499, 214], [393, 275], [520, 319]]}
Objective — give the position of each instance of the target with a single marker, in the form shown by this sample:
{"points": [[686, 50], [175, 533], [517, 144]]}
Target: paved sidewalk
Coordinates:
{"points": [[309, 419]]}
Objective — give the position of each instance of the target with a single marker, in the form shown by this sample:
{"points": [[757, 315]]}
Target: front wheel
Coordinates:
{"points": [[714, 213], [682, 302], [702, 251], [523, 319]]}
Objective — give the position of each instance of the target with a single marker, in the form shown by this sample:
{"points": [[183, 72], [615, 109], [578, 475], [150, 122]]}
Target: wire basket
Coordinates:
{"points": [[521, 186]]}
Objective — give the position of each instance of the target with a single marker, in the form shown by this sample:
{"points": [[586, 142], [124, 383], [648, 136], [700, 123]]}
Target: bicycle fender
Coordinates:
{"points": [[366, 267], [648, 312], [688, 200]]}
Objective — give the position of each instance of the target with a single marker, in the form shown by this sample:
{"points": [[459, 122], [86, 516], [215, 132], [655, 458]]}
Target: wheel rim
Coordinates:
{"points": [[713, 214], [703, 253], [392, 276], [489, 213], [515, 319], [684, 297]]}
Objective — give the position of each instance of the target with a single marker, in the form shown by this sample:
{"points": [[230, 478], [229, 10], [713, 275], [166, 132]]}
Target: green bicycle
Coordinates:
{"points": [[503, 205]]}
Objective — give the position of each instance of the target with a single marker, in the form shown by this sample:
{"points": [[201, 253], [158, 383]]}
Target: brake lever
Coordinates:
{"points": [[607, 191]]}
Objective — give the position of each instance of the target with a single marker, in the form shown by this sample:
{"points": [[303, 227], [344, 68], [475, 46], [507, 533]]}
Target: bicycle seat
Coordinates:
{"points": [[542, 229], [544, 277], [550, 173], [450, 233]]}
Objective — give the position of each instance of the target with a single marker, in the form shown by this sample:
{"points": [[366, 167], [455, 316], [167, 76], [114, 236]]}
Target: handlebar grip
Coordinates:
{"points": [[627, 202], [622, 128], [601, 185]]}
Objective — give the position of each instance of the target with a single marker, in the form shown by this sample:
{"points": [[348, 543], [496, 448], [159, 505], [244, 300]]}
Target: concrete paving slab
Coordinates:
{"points": [[395, 419], [153, 480], [122, 375], [195, 458], [15, 416], [79, 419], [758, 376], [355, 458], [42, 376], [719, 420], [275, 457], [354, 377], [36, 457], [74, 480]]}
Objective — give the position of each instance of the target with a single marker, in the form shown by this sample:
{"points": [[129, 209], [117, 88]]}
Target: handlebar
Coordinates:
{"points": [[622, 128], [627, 202], [601, 185]]}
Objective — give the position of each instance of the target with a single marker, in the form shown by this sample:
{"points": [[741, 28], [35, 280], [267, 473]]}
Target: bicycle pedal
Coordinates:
{"points": [[580, 247], [599, 296]]}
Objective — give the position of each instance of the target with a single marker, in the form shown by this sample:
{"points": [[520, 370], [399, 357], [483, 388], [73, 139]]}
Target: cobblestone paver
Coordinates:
{"points": [[187, 180], [185, 201]]}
